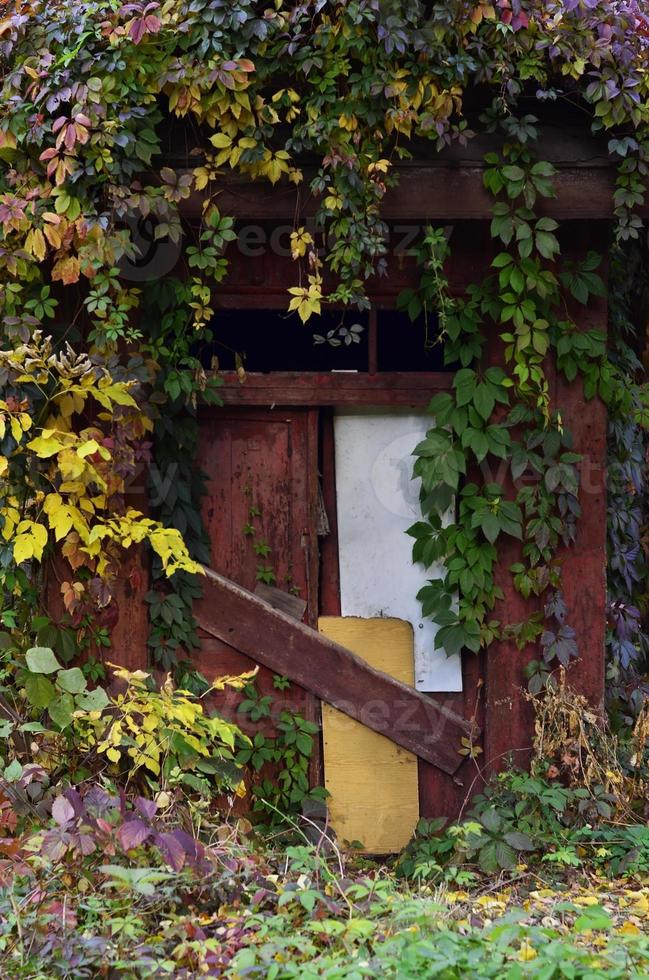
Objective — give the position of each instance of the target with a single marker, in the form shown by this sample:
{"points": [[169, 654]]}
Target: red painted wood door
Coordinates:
{"points": [[261, 473]]}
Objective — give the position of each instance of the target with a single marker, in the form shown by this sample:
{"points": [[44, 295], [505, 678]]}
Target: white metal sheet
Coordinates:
{"points": [[377, 501]]}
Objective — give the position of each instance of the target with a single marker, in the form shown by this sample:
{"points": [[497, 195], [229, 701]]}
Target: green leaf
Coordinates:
{"points": [[60, 711], [513, 173], [304, 743], [13, 772], [546, 244], [41, 660], [464, 384], [505, 855], [95, 700], [71, 680], [520, 841], [487, 858], [491, 820], [66, 645], [594, 917], [40, 691], [490, 527], [484, 400], [451, 638]]}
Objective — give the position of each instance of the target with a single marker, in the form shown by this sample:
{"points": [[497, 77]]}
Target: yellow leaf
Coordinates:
{"points": [[87, 448], [35, 244], [54, 235], [220, 141], [113, 754], [16, 428], [46, 445], [23, 548], [61, 521], [4, 465], [527, 952], [11, 516], [300, 240], [39, 534], [236, 681], [117, 393]]}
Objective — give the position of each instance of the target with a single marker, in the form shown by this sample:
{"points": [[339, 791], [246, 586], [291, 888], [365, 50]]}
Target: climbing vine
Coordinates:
{"points": [[94, 97], [505, 413]]}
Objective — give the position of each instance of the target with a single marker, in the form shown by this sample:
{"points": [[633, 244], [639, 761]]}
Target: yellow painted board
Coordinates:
{"points": [[373, 783]]}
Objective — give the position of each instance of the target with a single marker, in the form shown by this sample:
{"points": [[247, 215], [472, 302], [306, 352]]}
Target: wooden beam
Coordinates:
{"points": [[333, 673], [336, 388], [290, 604], [435, 192]]}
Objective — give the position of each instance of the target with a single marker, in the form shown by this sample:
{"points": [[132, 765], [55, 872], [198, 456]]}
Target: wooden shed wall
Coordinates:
{"points": [[493, 683]]}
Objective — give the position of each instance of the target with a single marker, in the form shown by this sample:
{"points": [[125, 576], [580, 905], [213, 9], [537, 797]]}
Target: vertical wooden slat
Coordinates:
{"points": [[329, 567]]}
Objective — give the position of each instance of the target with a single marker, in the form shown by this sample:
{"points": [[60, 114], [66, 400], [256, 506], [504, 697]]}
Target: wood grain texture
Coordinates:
{"points": [[305, 388], [331, 672], [292, 605], [256, 458], [372, 782], [447, 192]]}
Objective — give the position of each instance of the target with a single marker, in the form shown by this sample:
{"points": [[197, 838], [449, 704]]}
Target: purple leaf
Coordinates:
{"points": [[62, 811], [98, 802], [85, 844], [172, 850], [73, 797], [133, 833], [56, 844], [192, 847], [147, 808]]}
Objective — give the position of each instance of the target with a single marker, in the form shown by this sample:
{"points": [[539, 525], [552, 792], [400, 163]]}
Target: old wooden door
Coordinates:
{"points": [[260, 513]]}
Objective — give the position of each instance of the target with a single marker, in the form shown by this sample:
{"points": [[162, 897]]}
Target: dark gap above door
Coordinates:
{"points": [[337, 340]]}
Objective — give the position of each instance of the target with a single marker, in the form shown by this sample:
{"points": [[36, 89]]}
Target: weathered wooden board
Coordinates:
{"points": [[373, 785], [291, 604], [253, 458], [292, 388], [332, 672], [447, 193]]}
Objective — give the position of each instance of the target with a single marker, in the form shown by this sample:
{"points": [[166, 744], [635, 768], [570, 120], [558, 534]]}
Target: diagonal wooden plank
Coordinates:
{"points": [[333, 673]]}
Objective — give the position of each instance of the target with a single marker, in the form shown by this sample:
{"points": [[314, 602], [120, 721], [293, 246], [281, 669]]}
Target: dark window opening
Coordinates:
{"points": [[408, 345], [337, 340], [272, 340]]}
